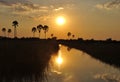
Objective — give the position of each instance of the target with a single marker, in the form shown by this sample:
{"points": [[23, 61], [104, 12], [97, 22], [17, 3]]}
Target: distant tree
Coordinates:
{"points": [[80, 39], [69, 34], [15, 24], [73, 36], [45, 28], [109, 39], [52, 35], [9, 31], [92, 39], [34, 30], [4, 31], [39, 27]]}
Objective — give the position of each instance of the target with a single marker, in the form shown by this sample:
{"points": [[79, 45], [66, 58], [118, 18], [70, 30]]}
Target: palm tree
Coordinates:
{"points": [[39, 27], [69, 34], [34, 30], [4, 31], [45, 28], [9, 31], [15, 24]]}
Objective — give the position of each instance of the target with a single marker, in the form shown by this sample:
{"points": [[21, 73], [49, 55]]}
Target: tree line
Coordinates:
{"points": [[69, 34], [14, 24], [38, 28], [34, 29]]}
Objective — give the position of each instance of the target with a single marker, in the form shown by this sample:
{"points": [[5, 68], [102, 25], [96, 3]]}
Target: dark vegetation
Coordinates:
{"points": [[107, 51], [25, 60]]}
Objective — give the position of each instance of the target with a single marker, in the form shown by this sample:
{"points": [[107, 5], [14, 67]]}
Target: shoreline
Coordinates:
{"points": [[105, 51]]}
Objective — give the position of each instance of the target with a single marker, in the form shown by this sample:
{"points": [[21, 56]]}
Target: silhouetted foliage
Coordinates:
{"points": [[80, 39], [15, 24], [73, 36], [34, 30], [52, 35], [39, 28], [4, 31], [54, 38], [9, 31], [45, 28], [69, 34], [109, 39]]}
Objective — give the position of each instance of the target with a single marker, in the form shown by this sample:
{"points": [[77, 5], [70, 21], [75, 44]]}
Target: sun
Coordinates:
{"points": [[60, 20]]}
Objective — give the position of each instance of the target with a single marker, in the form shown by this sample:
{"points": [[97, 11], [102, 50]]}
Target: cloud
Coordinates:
{"points": [[60, 8], [114, 4], [14, 1], [36, 11], [26, 8], [22, 7]]}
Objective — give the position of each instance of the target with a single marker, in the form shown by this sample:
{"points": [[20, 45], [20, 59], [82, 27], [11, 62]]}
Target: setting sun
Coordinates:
{"points": [[60, 20]]}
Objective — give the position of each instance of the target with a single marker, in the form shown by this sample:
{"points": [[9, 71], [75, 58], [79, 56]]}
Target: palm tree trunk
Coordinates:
{"points": [[45, 35], [8, 35], [4, 34], [68, 37], [39, 34], [33, 34], [15, 32]]}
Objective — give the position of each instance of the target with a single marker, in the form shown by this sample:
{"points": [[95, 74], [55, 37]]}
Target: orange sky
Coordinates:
{"points": [[84, 18]]}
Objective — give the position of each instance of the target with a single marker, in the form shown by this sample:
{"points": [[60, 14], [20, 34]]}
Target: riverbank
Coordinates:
{"points": [[25, 59], [106, 51]]}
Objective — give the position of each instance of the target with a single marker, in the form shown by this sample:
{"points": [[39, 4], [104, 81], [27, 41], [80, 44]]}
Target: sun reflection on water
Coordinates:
{"points": [[59, 59]]}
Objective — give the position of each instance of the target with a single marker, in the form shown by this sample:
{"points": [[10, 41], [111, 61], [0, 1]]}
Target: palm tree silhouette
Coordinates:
{"points": [[45, 28], [39, 27], [4, 31], [9, 31], [15, 24], [69, 34], [34, 30]]}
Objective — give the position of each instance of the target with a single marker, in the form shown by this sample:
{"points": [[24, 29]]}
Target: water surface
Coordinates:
{"points": [[77, 66]]}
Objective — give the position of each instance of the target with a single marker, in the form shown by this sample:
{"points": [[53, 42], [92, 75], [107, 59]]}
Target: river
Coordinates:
{"points": [[72, 65]]}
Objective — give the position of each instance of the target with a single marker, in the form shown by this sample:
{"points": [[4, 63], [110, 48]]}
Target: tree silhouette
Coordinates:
{"points": [[39, 27], [73, 36], [34, 30], [69, 34], [4, 31], [15, 24], [52, 35], [9, 31], [45, 28]]}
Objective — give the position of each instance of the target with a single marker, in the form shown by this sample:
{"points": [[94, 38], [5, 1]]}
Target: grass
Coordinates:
{"points": [[23, 60]]}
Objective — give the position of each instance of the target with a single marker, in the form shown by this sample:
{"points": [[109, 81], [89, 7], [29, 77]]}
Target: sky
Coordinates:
{"points": [[98, 19]]}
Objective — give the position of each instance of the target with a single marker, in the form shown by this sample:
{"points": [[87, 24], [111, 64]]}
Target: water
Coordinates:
{"points": [[77, 66]]}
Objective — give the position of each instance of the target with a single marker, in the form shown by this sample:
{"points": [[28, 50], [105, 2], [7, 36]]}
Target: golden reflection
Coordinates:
{"points": [[59, 59], [56, 63]]}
